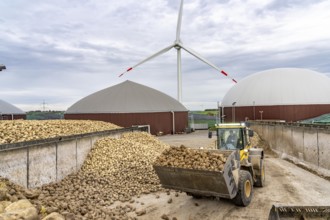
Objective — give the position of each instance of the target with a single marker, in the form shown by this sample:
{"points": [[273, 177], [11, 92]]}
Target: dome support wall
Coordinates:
{"points": [[159, 121], [288, 113], [12, 116]]}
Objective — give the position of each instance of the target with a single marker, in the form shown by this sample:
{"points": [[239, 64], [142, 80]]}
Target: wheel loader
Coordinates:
{"points": [[243, 169]]}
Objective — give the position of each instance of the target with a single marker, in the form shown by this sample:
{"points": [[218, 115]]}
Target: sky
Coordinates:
{"points": [[57, 52]]}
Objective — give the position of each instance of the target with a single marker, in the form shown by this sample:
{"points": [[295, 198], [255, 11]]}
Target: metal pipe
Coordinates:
{"points": [[27, 166], [254, 110], [233, 111], [173, 122], [219, 113]]}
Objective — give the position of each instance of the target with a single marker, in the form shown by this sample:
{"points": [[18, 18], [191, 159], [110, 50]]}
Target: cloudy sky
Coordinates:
{"points": [[58, 52]]}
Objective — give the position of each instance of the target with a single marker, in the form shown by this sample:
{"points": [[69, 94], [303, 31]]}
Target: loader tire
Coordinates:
{"points": [[245, 189], [262, 177]]}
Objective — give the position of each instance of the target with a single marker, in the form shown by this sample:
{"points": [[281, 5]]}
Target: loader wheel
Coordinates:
{"points": [[245, 189], [262, 177]]}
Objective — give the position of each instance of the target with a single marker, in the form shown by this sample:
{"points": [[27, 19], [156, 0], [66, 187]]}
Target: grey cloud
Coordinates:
{"points": [[284, 4], [66, 50]]}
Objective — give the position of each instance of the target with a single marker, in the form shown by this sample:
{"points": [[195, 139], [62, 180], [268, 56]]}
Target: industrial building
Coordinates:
{"points": [[288, 94], [10, 112], [128, 104]]}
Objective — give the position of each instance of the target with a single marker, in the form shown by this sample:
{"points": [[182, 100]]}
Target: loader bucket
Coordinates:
{"points": [[279, 212], [201, 182]]}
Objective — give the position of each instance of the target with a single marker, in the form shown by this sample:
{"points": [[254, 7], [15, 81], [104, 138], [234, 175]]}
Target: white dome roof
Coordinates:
{"points": [[126, 97], [282, 86], [7, 108]]}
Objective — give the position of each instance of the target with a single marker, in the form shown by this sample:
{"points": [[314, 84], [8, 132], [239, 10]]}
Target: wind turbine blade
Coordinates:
{"points": [[206, 61], [178, 27], [149, 58]]}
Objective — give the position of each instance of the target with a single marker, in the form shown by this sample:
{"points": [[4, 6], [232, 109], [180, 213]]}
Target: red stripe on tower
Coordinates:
{"points": [[224, 73]]}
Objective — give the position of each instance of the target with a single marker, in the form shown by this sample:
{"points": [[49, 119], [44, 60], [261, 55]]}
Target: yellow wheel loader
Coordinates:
{"points": [[236, 137], [243, 169]]}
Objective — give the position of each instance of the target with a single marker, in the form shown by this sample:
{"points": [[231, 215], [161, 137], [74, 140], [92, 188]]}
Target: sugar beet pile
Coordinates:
{"points": [[27, 130], [114, 170]]}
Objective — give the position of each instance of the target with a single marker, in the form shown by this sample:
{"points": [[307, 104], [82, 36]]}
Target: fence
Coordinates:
{"points": [[34, 163], [310, 143], [199, 126]]}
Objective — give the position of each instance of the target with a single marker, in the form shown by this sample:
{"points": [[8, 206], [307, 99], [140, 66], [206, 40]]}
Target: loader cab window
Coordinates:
{"points": [[230, 139]]}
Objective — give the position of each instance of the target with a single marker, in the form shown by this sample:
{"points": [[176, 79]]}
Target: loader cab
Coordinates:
{"points": [[231, 137]]}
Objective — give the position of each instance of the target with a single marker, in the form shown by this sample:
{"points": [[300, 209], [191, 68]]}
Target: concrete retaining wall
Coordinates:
{"points": [[308, 143], [34, 163]]}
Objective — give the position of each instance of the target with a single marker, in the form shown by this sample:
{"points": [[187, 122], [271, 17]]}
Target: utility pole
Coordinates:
{"points": [[2, 67], [44, 105]]}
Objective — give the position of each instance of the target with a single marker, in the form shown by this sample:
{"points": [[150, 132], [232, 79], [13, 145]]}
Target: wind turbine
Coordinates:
{"points": [[178, 46]]}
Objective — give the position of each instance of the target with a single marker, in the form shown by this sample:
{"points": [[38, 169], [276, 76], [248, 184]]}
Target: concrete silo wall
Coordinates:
{"points": [[34, 163], [309, 143]]}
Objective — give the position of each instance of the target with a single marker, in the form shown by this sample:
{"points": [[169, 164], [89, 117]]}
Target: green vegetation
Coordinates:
{"points": [[44, 115], [210, 123], [323, 119], [209, 116], [211, 112]]}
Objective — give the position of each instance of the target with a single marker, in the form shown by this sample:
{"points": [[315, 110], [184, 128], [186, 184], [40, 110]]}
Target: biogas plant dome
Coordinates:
{"points": [[126, 97], [282, 86]]}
